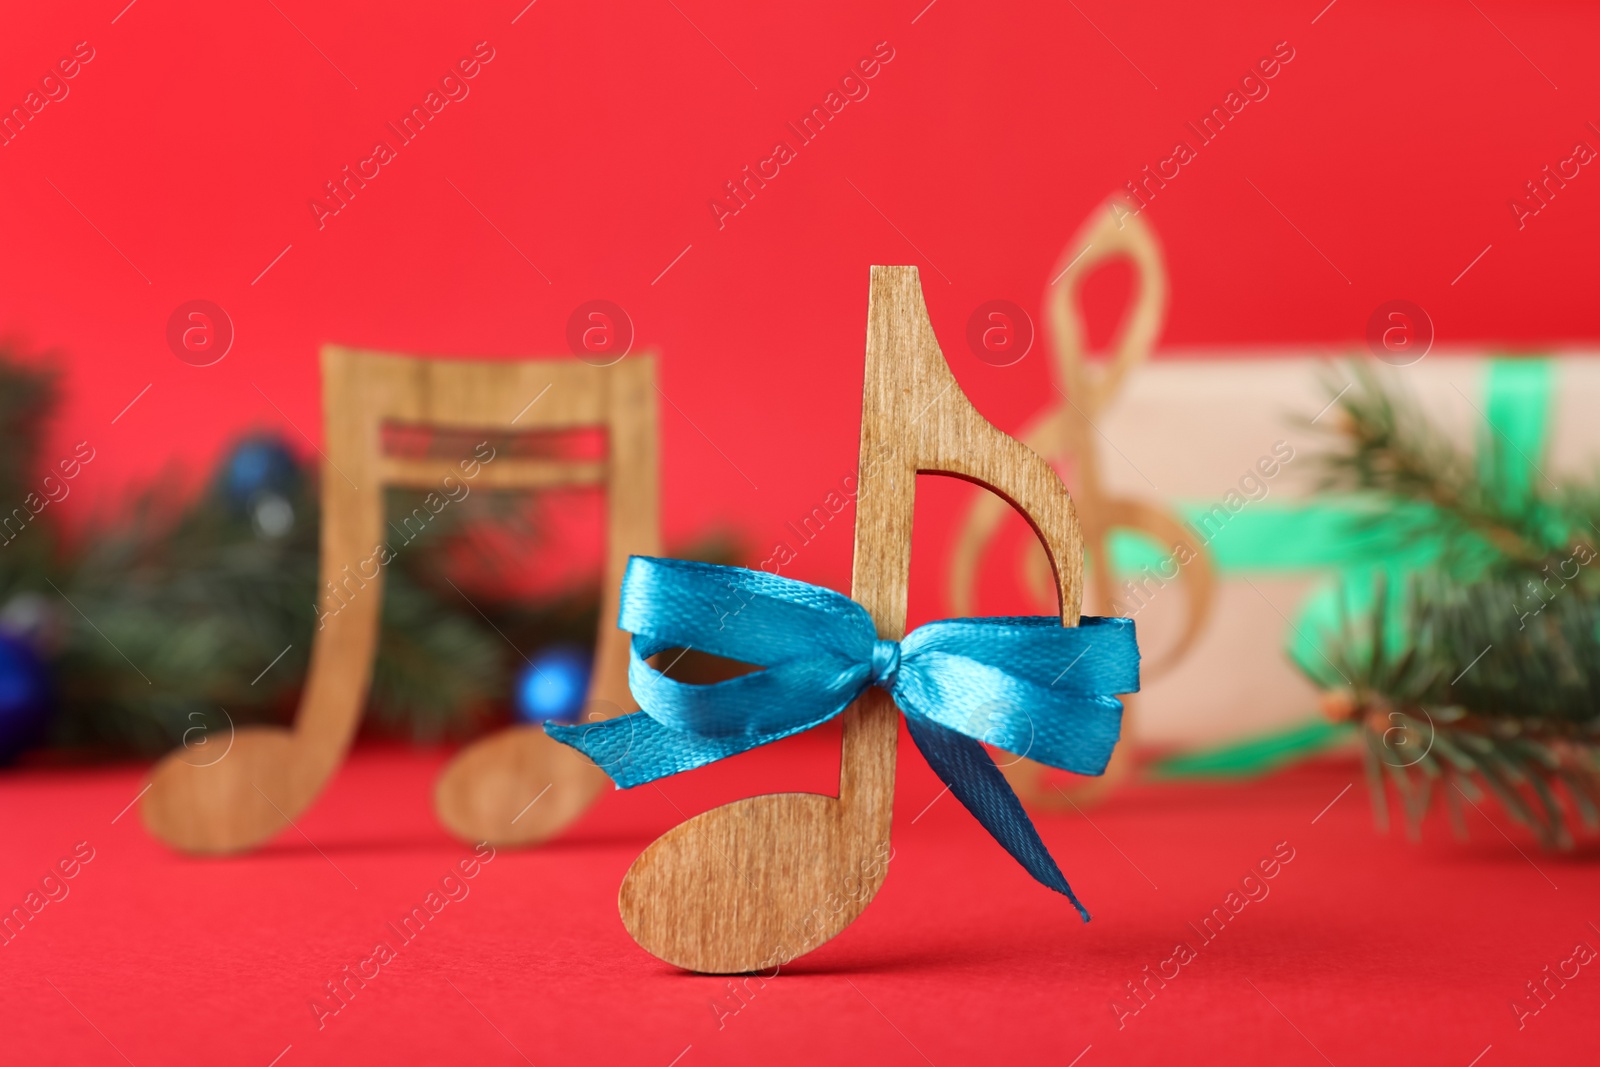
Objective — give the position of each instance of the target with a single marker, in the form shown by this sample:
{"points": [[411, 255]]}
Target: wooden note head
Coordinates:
{"points": [[769, 885], [516, 787], [755, 883], [211, 805]]}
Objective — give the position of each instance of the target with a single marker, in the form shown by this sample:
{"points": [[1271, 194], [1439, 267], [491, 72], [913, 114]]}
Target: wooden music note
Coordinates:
{"points": [[750, 884], [270, 775], [1069, 432]]}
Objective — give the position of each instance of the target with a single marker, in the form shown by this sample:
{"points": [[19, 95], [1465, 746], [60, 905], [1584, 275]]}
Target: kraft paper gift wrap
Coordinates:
{"points": [[1221, 438]]}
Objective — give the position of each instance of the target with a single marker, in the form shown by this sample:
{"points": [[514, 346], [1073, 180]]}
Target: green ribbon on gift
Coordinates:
{"points": [[1362, 540]]}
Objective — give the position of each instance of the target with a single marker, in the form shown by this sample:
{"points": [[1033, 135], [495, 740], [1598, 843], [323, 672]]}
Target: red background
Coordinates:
{"points": [[595, 139], [1369, 949]]}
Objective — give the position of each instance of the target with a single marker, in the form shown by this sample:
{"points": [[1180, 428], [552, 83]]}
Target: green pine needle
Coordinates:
{"points": [[1484, 670]]}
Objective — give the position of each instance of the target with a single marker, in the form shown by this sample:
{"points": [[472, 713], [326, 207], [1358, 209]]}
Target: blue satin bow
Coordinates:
{"points": [[1025, 684]]}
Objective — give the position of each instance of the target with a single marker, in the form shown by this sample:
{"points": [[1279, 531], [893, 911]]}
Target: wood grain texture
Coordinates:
{"points": [[1069, 432], [758, 882], [519, 787], [270, 775]]}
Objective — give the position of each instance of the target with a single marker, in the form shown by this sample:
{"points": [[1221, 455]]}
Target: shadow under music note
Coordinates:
{"points": [[1069, 432], [273, 774]]}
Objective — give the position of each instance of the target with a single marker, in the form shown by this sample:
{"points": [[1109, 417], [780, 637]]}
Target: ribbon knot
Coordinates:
{"points": [[1025, 684], [885, 663]]}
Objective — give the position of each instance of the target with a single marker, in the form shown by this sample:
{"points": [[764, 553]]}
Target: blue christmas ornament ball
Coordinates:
{"points": [[553, 685], [258, 465], [24, 697]]}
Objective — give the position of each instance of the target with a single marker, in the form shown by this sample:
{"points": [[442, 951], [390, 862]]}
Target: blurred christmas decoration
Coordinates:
{"points": [[24, 697], [191, 607], [259, 478], [1480, 669], [552, 685], [259, 465], [196, 606]]}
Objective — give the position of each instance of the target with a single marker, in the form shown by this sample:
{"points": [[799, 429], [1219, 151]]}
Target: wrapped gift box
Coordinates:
{"points": [[1224, 441]]}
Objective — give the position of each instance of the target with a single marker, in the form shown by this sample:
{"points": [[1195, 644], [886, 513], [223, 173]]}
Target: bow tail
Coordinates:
{"points": [[965, 766]]}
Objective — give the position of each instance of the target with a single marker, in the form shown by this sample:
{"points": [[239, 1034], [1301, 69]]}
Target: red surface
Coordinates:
{"points": [[594, 140], [1376, 950], [180, 166]]}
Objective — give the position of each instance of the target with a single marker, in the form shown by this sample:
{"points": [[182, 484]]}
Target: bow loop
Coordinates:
{"points": [[1025, 684]]}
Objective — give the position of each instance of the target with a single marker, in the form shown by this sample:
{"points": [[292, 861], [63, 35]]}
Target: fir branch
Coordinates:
{"points": [[1386, 445], [1483, 673], [184, 606]]}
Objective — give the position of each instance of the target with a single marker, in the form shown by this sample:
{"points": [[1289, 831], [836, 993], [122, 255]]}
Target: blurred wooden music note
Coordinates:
{"points": [[271, 775], [1068, 433], [747, 885]]}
